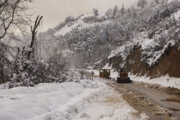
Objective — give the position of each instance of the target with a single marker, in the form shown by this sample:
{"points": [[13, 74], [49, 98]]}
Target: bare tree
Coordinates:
{"points": [[12, 17], [11, 13], [34, 33]]}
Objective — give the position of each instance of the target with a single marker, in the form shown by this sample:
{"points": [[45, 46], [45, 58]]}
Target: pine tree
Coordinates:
{"points": [[96, 12], [115, 11], [122, 10]]}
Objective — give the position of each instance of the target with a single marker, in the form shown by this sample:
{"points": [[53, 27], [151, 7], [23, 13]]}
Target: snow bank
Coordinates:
{"points": [[26, 103], [94, 107], [66, 101], [109, 105], [164, 81]]}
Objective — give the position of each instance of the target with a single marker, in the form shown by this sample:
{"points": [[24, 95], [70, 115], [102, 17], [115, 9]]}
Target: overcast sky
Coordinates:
{"points": [[55, 11]]}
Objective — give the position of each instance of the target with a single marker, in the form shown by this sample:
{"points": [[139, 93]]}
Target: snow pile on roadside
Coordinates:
{"points": [[26, 103], [65, 101], [164, 81], [95, 106], [110, 106]]}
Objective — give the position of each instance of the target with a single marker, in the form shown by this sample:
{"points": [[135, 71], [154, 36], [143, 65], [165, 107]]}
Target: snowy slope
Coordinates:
{"points": [[149, 55], [153, 42], [78, 24]]}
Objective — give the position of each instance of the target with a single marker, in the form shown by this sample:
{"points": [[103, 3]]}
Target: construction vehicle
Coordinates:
{"points": [[123, 76], [104, 73]]}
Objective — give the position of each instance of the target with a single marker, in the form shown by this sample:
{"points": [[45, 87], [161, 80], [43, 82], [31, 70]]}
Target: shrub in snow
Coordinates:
{"points": [[57, 65], [30, 72], [22, 69]]}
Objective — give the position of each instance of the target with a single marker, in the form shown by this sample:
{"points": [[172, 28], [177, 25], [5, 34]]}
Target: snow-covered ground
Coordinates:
{"points": [[84, 100], [109, 106]]}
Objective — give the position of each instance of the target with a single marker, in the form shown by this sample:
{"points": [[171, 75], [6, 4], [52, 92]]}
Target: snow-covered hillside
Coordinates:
{"points": [[148, 46], [152, 48], [79, 35], [92, 38], [153, 42], [80, 24]]}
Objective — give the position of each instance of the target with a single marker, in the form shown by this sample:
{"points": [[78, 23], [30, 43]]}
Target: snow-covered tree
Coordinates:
{"points": [[133, 11], [109, 13], [115, 11], [13, 17], [122, 10], [23, 70], [142, 3], [157, 1], [57, 65], [96, 12]]}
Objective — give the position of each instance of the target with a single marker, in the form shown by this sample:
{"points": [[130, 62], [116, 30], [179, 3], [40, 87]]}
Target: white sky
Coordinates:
{"points": [[55, 11]]}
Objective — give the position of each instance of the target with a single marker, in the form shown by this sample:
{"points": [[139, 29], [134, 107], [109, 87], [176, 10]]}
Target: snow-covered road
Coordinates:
{"points": [[109, 106], [158, 103], [84, 100]]}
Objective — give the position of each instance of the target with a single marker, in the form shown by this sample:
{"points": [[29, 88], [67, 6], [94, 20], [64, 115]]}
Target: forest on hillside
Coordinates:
{"points": [[82, 42], [92, 37]]}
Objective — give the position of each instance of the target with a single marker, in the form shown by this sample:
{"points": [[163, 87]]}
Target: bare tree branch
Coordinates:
{"points": [[34, 32], [10, 14]]}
